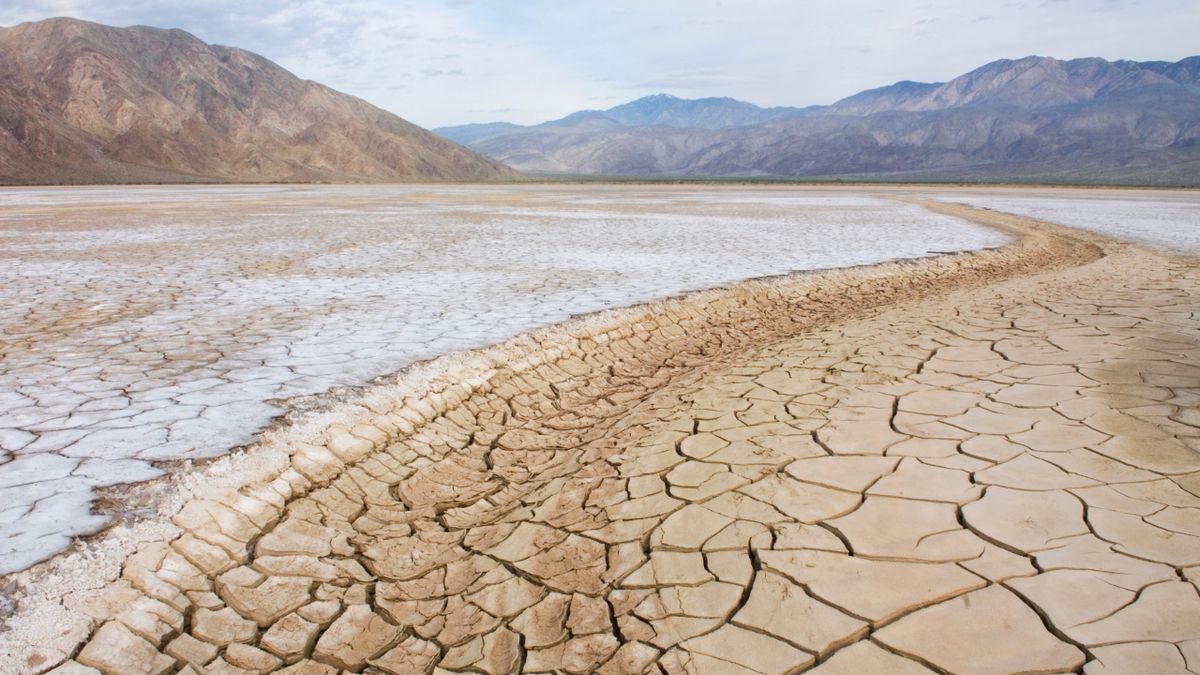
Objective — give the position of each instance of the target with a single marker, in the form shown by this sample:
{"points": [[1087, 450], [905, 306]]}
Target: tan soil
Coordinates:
{"points": [[981, 462]]}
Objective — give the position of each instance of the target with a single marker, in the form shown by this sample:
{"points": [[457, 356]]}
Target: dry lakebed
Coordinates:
{"points": [[599, 428]]}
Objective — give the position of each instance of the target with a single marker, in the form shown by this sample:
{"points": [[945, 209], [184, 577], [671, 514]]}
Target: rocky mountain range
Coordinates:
{"points": [[1034, 119], [86, 103]]}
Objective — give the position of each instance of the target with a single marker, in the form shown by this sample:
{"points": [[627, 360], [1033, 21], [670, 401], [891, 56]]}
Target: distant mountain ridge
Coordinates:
{"points": [[704, 113], [1039, 82], [1036, 118], [655, 110], [86, 103]]}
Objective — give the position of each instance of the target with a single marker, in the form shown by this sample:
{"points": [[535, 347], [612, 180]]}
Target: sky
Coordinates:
{"points": [[446, 62]]}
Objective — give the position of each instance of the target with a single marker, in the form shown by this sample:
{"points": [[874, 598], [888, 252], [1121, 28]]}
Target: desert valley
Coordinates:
{"points": [[905, 383]]}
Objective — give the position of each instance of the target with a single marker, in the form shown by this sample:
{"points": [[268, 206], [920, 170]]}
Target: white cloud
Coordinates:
{"points": [[453, 61]]}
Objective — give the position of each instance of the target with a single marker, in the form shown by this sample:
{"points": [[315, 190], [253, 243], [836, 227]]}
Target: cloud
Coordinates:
{"points": [[440, 62], [437, 72], [684, 81]]}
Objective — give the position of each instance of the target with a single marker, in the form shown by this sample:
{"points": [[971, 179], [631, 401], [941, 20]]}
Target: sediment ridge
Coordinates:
{"points": [[667, 486]]}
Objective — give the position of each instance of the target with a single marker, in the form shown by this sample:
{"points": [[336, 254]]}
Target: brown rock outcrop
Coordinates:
{"points": [[86, 103]]}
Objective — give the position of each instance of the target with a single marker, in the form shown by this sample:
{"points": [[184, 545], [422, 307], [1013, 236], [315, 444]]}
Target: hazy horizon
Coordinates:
{"points": [[459, 61]]}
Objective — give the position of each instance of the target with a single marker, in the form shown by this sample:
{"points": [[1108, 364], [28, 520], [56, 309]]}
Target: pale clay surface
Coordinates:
{"points": [[143, 325], [1165, 220], [985, 463]]}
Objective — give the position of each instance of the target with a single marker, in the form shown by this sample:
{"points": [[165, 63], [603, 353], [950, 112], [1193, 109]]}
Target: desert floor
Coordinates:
{"points": [[148, 327], [982, 462]]}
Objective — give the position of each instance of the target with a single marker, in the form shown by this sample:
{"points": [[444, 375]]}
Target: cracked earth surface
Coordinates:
{"points": [[982, 463], [146, 327]]}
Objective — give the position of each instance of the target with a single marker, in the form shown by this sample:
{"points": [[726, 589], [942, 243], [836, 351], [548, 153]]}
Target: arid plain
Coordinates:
{"points": [[982, 461], [166, 325]]}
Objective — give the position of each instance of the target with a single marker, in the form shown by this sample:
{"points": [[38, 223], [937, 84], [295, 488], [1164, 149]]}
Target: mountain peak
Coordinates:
{"points": [[84, 102], [1030, 82], [697, 113], [56, 22], [1034, 118]]}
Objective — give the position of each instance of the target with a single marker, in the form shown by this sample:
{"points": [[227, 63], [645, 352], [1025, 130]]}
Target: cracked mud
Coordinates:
{"points": [[981, 463], [161, 325]]}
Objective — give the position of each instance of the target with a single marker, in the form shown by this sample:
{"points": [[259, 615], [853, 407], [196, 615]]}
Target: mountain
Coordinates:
{"points": [[704, 113], [1032, 119], [1041, 82], [86, 103], [656, 110], [468, 133], [897, 96]]}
